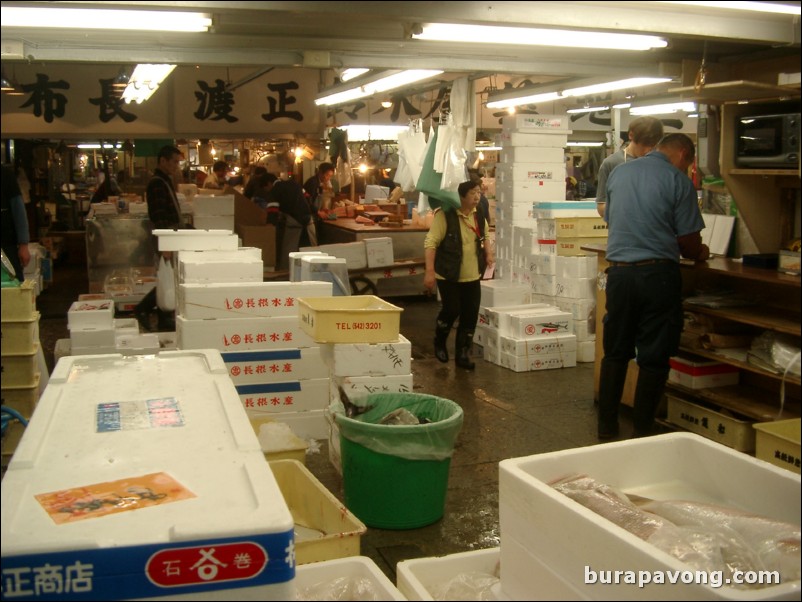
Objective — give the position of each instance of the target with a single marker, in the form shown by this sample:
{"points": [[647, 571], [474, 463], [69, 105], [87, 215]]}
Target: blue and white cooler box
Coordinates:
{"points": [[141, 477]]}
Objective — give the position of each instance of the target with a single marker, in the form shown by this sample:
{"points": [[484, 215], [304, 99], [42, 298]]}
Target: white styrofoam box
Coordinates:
{"points": [[546, 322], [568, 246], [522, 237], [517, 576], [379, 251], [567, 537], [529, 191], [579, 266], [196, 240], [138, 208], [546, 124], [542, 284], [542, 263], [528, 363], [576, 288], [481, 332], [213, 205], [571, 227], [531, 154], [498, 317], [354, 253], [295, 263], [425, 578], [527, 138], [273, 366], [585, 330], [126, 326], [496, 292], [503, 271], [221, 266], [580, 309], [241, 334], [491, 341], [360, 386], [91, 314], [559, 343], [137, 344], [200, 301], [140, 424], [319, 580], [701, 374], [516, 214], [550, 209], [586, 351], [310, 424], [92, 337], [368, 359], [214, 222], [492, 355], [530, 172], [292, 396], [94, 350]]}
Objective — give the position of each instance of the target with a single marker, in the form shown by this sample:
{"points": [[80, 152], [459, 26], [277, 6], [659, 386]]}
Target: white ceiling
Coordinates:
{"points": [[376, 35]]}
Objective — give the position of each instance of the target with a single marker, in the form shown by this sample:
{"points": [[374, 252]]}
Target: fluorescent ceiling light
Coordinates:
{"points": [[584, 143], [144, 81], [622, 84], [349, 74], [359, 133], [451, 32], [662, 109], [90, 146], [762, 7], [488, 148], [587, 109], [90, 18], [623, 105], [522, 100], [387, 80]]}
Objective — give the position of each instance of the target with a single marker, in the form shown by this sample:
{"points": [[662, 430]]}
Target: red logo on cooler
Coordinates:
{"points": [[211, 563]]}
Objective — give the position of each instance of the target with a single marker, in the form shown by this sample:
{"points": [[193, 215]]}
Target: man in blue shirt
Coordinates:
{"points": [[653, 218]]}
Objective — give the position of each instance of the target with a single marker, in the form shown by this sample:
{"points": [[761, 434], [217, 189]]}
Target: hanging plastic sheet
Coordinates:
{"points": [[430, 181], [411, 152]]}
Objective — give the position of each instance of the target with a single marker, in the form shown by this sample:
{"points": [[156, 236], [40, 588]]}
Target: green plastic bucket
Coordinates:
{"points": [[396, 476]]}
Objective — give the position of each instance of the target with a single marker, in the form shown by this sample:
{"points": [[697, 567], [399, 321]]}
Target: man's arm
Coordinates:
{"points": [[691, 247]]}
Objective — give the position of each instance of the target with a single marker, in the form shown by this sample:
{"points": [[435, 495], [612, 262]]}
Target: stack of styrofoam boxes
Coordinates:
{"points": [[213, 212], [495, 293], [561, 272], [223, 304], [20, 347], [118, 474], [554, 548], [532, 170], [364, 368]]}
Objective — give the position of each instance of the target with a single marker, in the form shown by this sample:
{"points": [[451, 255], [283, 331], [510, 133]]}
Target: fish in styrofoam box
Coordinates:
{"points": [[529, 191], [497, 292], [578, 266], [141, 424], [218, 205], [275, 365], [531, 172], [559, 343], [546, 322], [360, 386], [200, 301], [196, 240], [540, 123], [241, 334], [316, 580], [442, 577], [531, 154], [242, 265], [529, 363], [540, 527], [575, 288], [289, 396], [529, 138], [91, 314], [368, 359]]}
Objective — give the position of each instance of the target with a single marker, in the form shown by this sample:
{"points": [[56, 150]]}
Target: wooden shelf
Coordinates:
{"points": [[763, 172], [736, 269], [771, 318], [734, 91], [750, 402], [719, 188], [794, 380]]}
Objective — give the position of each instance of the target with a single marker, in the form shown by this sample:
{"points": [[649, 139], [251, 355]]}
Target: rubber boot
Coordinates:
{"points": [[648, 394], [440, 337], [166, 320], [611, 388], [145, 308], [463, 349]]}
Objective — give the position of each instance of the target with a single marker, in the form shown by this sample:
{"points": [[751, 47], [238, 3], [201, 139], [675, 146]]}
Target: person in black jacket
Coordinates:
{"points": [[456, 254]]}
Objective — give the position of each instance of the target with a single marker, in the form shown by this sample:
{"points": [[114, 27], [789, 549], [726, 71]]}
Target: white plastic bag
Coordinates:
{"points": [[165, 286]]}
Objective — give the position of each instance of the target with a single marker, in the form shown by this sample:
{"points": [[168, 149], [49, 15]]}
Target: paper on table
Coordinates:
{"points": [[717, 232]]}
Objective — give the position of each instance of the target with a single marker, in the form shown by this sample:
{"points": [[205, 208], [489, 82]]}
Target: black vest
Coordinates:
{"points": [[448, 258]]}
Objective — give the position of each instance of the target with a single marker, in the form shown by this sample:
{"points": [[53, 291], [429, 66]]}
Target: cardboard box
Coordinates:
{"points": [[779, 443], [701, 374], [263, 237], [721, 428]]}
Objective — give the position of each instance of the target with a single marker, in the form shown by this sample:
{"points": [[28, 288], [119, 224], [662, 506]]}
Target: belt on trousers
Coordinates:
{"points": [[623, 264]]}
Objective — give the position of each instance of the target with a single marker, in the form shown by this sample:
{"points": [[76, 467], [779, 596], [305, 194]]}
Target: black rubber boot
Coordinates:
{"points": [[145, 308], [463, 349], [611, 388], [166, 320], [440, 338], [648, 395]]}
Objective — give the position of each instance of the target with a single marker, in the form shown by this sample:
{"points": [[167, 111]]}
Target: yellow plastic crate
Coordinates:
{"points": [[20, 336], [20, 369], [19, 302], [22, 399], [356, 319], [324, 528], [294, 448], [779, 443]]}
